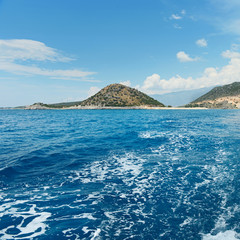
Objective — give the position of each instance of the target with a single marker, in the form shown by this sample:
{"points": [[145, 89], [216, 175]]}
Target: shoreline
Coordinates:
{"points": [[113, 108], [109, 108], [92, 107], [135, 108]]}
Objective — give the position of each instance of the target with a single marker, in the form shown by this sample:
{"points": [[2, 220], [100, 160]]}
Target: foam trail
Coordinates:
{"points": [[228, 235]]}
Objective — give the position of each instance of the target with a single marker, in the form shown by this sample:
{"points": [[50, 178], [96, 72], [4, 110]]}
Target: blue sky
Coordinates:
{"points": [[54, 51]]}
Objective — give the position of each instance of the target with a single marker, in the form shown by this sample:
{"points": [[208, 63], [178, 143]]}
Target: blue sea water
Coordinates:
{"points": [[120, 174]]}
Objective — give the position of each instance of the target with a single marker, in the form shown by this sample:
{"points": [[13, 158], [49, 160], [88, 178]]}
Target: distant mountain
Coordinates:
{"points": [[118, 95], [180, 98], [114, 95], [227, 96]]}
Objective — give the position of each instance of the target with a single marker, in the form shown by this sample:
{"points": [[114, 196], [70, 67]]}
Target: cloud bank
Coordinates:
{"points": [[154, 84], [18, 55]]}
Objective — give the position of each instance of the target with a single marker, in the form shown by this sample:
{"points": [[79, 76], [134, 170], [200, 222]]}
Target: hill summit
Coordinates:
{"points": [[118, 95], [226, 96]]}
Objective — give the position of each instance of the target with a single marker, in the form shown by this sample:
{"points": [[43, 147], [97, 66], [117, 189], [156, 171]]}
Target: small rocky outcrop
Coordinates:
{"points": [[37, 106]]}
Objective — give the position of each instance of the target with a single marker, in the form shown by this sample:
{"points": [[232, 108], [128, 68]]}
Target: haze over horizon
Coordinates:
{"points": [[58, 51]]}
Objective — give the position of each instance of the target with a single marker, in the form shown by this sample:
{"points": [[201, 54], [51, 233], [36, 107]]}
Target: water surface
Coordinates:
{"points": [[120, 174]]}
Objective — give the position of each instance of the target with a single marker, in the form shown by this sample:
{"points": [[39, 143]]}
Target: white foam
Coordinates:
{"points": [[93, 195], [227, 235], [150, 134], [85, 180], [122, 195], [186, 222], [85, 215], [69, 234], [130, 169], [205, 182], [32, 228], [130, 164], [100, 172], [86, 230], [68, 230], [109, 215], [94, 233]]}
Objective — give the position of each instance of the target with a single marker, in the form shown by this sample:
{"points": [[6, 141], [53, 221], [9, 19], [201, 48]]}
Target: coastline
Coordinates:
{"points": [[37, 107], [112, 108]]}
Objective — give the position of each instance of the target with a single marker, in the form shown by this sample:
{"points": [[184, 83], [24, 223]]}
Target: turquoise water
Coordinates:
{"points": [[120, 174]]}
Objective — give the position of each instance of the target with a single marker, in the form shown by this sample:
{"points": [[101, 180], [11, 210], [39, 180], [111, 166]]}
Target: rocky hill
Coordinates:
{"points": [[118, 95], [114, 95], [227, 96]]}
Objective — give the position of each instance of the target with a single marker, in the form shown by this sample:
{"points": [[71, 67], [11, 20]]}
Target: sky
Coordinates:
{"points": [[60, 51]]}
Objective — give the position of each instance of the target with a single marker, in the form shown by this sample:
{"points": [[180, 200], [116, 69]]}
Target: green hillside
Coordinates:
{"points": [[232, 89], [224, 97]]}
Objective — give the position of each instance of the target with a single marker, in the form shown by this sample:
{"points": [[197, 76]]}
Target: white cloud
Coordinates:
{"points": [[126, 83], [71, 74], [183, 12], [93, 90], [154, 84], [210, 77], [227, 16], [177, 26], [201, 42], [152, 81], [235, 47], [24, 51], [176, 17], [231, 26], [230, 54], [184, 57], [226, 4]]}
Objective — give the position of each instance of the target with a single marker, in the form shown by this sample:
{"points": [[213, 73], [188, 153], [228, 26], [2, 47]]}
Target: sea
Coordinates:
{"points": [[120, 174]]}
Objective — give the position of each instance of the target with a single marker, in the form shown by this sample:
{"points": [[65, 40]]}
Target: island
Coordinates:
{"points": [[115, 96]]}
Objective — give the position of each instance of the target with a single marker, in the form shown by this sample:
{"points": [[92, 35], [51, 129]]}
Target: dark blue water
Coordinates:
{"points": [[120, 174]]}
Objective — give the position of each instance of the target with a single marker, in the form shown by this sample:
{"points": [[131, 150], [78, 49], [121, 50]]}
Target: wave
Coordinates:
{"points": [[9, 172]]}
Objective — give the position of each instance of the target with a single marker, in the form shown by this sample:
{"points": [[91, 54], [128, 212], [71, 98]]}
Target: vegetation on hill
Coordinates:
{"points": [[218, 92], [114, 95], [63, 104], [227, 96], [118, 95]]}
